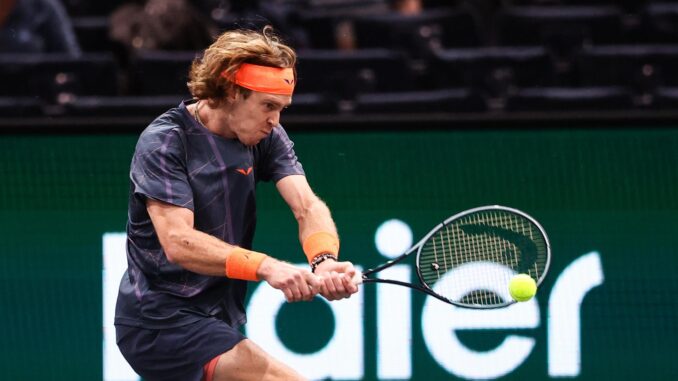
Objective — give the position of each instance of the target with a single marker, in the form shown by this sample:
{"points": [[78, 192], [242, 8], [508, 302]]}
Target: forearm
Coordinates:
{"points": [[197, 251], [318, 234], [314, 217], [200, 252], [204, 254], [320, 241]]}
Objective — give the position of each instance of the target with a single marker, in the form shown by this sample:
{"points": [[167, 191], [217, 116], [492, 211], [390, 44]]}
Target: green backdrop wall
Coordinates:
{"points": [[609, 191]]}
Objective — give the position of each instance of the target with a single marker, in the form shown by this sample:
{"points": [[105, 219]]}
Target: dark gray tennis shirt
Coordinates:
{"points": [[180, 162]]}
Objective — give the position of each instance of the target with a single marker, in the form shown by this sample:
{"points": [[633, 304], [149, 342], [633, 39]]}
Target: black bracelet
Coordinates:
{"points": [[318, 259]]}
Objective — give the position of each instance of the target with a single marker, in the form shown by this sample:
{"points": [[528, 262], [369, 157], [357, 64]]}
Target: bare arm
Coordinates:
{"points": [[313, 216], [189, 248], [202, 253], [310, 212]]}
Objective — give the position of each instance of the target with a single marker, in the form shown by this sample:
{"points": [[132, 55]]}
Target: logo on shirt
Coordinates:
{"points": [[244, 171]]}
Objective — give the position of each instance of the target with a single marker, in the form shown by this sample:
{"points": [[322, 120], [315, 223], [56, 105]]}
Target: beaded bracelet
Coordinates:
{"points": [[320, 259]]}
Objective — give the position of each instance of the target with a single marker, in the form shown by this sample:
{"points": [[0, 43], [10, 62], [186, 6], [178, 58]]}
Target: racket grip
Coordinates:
{"points": [[357, 278]]}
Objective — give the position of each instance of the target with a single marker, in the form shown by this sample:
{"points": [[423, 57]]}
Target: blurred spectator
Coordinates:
{"points": [[407, 7], [344, 31], [161, 25], [36, 26], [280, 14], [223, 12], [255, 15]]}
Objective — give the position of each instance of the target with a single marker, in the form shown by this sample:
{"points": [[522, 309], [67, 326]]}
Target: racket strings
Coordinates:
{"points": [[490, 236]]}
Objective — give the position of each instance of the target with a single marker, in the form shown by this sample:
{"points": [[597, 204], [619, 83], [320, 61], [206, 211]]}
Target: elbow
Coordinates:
{"points": [[174, 245], [172, 256]]}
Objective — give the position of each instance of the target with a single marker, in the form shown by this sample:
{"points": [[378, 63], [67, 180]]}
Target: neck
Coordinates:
{"points": [[210, 119]]}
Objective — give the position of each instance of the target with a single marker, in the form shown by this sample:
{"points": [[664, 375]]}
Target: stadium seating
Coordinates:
{"points": [[92, 33], [666, 98], [321, 23], [48, 75], [120, 106], [77, 8], [345, 74], [21, 107], [629, 5], [435, 101], [454, 57], [493, 70], [417, 34], [661, 23], [570, 99], [160, 73], [312, 104], [561, 29], [641, 67]]}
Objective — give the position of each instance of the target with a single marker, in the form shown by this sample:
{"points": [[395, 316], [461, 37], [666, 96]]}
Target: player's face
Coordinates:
{"points": [[253, 118]]}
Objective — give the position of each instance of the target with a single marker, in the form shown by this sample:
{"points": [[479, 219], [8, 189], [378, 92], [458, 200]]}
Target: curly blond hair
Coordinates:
{"points": [[230, 50]]}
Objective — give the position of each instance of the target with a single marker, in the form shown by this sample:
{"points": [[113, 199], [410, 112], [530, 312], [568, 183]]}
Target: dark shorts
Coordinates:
{"points": [[175, 353]]}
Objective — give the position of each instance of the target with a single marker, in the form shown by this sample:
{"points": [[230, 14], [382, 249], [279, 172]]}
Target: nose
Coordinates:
{"points": [[274, 119]]}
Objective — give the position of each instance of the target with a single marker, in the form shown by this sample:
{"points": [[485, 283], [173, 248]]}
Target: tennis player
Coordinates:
{"points": [[192, 219]]}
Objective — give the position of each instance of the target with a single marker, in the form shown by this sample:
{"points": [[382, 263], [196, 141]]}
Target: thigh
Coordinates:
{"points": [[246, 361]]}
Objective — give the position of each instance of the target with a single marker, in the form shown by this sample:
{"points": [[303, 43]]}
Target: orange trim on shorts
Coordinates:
{"points": [[320, 243], [243, 264], [265, 79], [208, 369]]}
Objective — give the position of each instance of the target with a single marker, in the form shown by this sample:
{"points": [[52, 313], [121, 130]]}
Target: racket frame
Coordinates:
{"points": [[423, 286]]}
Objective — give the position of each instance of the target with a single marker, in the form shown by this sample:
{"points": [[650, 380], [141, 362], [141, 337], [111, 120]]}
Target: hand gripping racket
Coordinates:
{"points": [[469, 259]]}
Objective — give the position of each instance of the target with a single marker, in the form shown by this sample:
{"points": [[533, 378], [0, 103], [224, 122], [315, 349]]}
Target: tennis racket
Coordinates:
{"points": [[469, 259]]}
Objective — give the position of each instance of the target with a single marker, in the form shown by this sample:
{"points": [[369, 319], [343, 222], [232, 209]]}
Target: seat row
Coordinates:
{"points": [[456, 101], [560, 28], [557, 27], [342, 75]]}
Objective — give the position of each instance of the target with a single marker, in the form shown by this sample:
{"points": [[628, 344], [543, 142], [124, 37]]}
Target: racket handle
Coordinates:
{"points": [[357, 278]]}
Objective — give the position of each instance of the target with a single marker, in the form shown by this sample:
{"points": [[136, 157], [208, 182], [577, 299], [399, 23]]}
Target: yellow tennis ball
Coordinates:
{"points": [[522, 287]]}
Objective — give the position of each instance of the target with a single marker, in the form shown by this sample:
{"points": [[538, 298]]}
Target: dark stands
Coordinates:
{"points": [[364, 60]]}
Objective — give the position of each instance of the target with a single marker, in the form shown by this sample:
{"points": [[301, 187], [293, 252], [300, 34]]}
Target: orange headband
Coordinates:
{"points": [[265, 79]]}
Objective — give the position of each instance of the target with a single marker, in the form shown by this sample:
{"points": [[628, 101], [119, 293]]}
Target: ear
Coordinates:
{"points": [[227, 100], [234, 97]]}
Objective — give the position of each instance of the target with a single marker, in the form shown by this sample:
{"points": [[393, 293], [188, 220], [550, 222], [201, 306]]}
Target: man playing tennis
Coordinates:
{"points": [[192, 219]]}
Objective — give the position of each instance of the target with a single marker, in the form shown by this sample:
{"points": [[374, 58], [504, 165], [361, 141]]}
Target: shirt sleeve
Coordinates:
{"points": [[158, 169], [278, 158]]}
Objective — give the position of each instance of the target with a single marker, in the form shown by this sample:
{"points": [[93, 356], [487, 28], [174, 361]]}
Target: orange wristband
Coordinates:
{"points": [[243, 264], [319, 243]]}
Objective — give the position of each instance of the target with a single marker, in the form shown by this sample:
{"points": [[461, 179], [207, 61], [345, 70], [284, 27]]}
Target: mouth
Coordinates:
{"points": [[259, 136]]}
